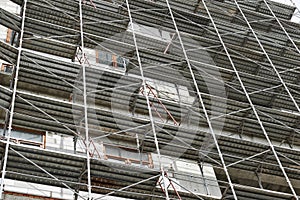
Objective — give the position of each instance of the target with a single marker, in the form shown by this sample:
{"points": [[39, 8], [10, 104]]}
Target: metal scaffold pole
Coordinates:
{"points": [[148, 101], [83, 65], [248, 97], [212, 132], [13, 100]]}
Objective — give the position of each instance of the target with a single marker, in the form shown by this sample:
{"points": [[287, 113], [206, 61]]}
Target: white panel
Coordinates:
{"points": [[189, 177]]}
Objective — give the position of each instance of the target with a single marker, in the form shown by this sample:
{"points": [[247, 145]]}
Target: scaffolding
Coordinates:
{"points": [[158, 99]]}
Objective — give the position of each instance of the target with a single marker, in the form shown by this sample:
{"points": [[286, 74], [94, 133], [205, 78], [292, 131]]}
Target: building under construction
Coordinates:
{"points": [[149, 100]]}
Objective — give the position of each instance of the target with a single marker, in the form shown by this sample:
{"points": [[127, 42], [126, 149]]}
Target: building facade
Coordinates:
{"points": [[149, 99]]}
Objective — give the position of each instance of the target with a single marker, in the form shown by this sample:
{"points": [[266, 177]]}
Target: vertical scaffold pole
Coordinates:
{"points": [[12, 109], [83, 65], [202, 102], [147, 99]]}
